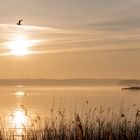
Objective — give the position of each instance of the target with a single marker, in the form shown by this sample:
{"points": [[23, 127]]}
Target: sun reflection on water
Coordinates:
{"points": [[19, 121], [20, 93], [19, 118]]}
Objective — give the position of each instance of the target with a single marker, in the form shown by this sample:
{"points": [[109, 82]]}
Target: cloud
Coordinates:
{"points": [[12, 28], [115, 25], [51, 40]]}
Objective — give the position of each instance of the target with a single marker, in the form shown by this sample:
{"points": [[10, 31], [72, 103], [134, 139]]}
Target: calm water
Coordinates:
{"points": [[42, 99]]}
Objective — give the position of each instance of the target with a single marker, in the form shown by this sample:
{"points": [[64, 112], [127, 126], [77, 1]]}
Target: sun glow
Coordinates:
{"points": [[19, 118], [20, 46]]}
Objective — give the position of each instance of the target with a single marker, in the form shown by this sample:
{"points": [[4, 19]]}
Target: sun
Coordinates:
{"points": [[20, 46]]}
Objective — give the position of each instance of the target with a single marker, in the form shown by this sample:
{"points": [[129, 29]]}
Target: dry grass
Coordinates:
{"points": [[90, 124]]}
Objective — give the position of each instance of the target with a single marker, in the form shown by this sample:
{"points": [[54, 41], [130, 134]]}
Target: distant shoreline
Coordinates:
{"points": [[67, 82]]}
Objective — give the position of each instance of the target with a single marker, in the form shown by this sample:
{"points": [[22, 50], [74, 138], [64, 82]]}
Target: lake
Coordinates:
{"points": [[41, 99]]}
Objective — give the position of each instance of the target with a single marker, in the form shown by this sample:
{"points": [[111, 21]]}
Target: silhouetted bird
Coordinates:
{"points": [[19, 22]]}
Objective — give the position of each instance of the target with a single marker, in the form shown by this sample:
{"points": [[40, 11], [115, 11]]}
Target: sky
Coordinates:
{"points": [[70, 39]]}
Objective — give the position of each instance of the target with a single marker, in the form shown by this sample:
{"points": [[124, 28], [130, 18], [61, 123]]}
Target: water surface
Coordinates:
{"points": [[41, 98]]}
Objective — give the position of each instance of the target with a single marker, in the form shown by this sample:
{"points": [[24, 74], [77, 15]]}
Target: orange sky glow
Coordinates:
{"points": [[70, 39]]}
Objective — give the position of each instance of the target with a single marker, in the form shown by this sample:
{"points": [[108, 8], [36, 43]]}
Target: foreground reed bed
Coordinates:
{"points": [[90, 124]]}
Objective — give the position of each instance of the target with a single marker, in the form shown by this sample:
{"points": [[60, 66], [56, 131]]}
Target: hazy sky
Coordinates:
{"points": [[70, 38]]}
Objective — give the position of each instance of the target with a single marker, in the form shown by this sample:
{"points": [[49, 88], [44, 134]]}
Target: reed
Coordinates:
{"points": [[91, 124]]}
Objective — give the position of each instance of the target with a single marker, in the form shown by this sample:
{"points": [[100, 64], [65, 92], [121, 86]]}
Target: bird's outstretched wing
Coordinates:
{"points": [[19, 22]]}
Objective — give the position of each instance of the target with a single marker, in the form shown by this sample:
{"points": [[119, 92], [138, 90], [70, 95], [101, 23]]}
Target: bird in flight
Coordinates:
{"points": [[19, 22]]}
